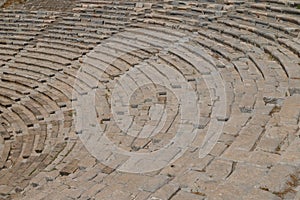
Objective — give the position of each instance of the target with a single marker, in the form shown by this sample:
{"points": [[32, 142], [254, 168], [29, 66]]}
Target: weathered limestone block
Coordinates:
{"points": [[69, 168]]}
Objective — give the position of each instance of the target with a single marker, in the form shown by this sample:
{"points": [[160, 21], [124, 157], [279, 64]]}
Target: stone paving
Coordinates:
{"points": [[150, 100]]}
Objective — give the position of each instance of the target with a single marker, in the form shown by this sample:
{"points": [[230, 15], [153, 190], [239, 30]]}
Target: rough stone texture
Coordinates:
{"points": [[2, 2], [239, 58]]}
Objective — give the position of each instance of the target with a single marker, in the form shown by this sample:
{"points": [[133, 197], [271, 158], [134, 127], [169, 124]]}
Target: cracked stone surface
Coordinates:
{"points": [[149, 100]]}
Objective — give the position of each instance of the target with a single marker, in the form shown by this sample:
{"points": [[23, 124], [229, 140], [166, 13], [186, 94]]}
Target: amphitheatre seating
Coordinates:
{"points": [[240, 58]]}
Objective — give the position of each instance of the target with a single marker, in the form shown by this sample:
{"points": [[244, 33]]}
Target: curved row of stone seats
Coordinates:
{"points": [[25, 115], [39, 112], [67, 30], [40, 105], [52, 78], [37, 79], [14, 122], [286, 15], [255, 121], [35, 164], [32, 57], [68, 46], [43, 68], [48, 102], [245, 24], [262, 69], [51, 61], [86, 19], [51, 93], [35, 70], [30, 140], [7, 51], [283, 55], [144, 37], [37, 106], [29, 56], [282, 9], [53, 101], [281, 2], [246, 48], [19, 28], [81, 29], [24, 20], [109, 5], [19, 79]]}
